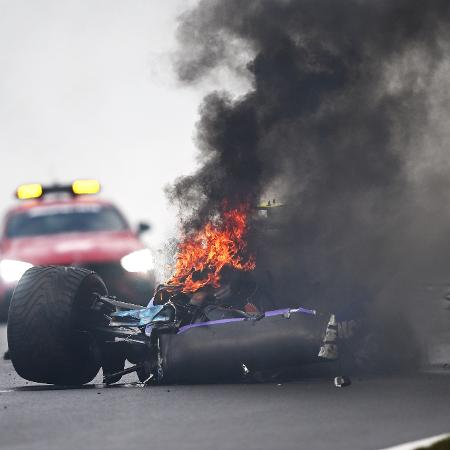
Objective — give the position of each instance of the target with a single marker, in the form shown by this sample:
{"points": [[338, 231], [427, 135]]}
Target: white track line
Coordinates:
{"points": [[427, 442]]}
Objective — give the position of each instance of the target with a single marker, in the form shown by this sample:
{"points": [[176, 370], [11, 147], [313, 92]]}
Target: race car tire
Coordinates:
{"points": [[46, 339]]}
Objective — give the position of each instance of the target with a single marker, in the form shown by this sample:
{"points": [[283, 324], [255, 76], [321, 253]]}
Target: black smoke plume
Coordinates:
{"points": [[340, 123]]}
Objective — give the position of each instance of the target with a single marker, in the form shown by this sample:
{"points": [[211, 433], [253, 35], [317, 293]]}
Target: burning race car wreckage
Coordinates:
{"points": [[209, 322]]}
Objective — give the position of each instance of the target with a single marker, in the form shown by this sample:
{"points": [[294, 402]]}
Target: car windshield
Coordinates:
{"points": [[64, 219]]}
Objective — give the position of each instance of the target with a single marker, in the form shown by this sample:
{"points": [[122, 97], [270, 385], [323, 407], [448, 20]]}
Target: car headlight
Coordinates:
{"points": [[138, 261], [12, 270]]}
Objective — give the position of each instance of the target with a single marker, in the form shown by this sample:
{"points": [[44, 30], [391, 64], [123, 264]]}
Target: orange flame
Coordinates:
{"points": [[203, 254]]}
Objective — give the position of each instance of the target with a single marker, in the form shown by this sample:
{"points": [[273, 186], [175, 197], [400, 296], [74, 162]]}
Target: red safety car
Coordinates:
{"points": [[67, 225]]}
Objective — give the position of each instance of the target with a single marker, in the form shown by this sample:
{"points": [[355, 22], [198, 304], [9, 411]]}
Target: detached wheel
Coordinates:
{"points": [[46, 340]]}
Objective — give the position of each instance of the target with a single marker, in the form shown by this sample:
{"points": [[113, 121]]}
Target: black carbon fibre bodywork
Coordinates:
{"points": [[222, 351]]}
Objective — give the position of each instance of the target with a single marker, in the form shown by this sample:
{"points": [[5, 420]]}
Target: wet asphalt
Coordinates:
{"points": [[372, 413]]}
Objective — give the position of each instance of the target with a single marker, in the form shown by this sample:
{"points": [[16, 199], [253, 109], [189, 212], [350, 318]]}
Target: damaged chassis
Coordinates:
{"points": [[63, 327]]}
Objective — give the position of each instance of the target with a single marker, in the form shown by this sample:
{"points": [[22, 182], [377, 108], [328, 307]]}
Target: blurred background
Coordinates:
{"points": [[87, 90]]}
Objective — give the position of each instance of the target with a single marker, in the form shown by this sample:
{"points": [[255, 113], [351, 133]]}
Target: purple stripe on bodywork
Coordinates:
{"points": [[276, 312], [211, 322]]}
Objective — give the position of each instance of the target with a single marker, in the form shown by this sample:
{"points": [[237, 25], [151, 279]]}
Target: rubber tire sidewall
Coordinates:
{"points": [[45, 334]]}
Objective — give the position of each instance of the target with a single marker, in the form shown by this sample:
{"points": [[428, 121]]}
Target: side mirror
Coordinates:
{"points": [[143, 227]]}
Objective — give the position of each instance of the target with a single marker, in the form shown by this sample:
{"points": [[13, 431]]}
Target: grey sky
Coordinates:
{"points": [[87, 90]]}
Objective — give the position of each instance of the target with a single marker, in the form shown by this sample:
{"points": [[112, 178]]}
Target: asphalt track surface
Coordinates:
{"points": [[372, 413]]}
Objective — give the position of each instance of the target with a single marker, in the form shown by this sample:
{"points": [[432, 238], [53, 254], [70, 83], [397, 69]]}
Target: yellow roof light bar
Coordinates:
{"points": [[78, 187], [81, 187], [29, 191]]}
